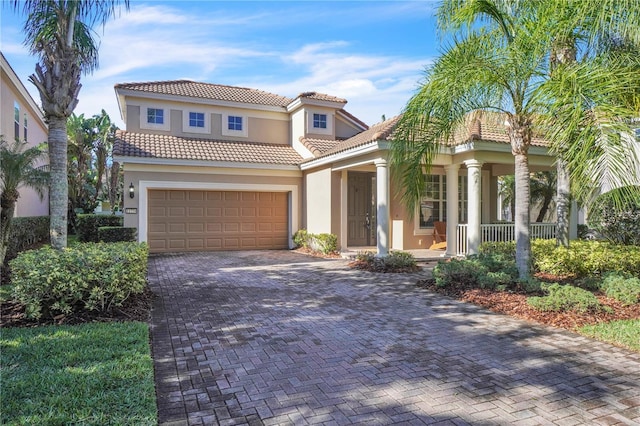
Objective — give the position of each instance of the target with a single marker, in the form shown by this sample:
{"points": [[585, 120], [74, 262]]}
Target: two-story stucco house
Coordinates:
{"points": [[22, 119], [213, 167]]}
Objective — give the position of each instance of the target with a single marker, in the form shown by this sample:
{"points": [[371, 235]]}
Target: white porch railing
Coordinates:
{"points": [[499, 232]]}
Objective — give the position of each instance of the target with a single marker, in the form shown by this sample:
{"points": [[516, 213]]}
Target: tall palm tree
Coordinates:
{"points": [[17, 168], [59, 33], [581, 33], [481, 70]]}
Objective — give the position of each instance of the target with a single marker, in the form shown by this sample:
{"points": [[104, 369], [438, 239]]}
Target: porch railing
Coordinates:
{"points": [[500, 232]]}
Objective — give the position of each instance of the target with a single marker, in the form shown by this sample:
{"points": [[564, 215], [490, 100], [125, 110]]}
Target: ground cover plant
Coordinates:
{"points": [[591, 287], [91, 374]]}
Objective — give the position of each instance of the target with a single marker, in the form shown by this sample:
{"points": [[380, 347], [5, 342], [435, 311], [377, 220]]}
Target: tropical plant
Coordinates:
{"points": [[483, 70], [543, 189], [59, 33], [18, 167]]}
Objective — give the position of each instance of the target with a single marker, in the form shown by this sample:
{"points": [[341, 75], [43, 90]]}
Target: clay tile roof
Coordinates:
{"points": [[145, 145], [208, 91], [488, 126], [379, 131], [353, 117], [318, 146], [321, 97]]}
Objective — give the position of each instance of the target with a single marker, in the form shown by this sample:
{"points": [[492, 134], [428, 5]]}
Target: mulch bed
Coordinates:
{"points": [[515, 304], [136, 308]]}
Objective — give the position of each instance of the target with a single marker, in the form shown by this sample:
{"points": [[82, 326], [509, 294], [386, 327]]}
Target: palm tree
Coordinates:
{"points": [[59, 33], [17, 168], [592, 98], [543, 190], [481, 71]]}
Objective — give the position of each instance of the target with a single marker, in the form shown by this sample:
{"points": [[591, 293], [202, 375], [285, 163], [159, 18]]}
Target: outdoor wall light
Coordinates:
{"points": [[132, 191]]}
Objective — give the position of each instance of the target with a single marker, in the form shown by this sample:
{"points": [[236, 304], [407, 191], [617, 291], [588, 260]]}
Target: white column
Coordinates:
{"points": [[452, 209], [474, 174], [382, 190], [573, 221], [344, 199]]}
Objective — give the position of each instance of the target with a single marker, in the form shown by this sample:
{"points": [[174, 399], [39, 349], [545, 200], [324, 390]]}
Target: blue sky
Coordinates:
{"points": [[373, 53]]}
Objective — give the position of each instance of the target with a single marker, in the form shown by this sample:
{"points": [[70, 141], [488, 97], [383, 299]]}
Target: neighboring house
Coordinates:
{"points": [[22, 119], [217, 167]]}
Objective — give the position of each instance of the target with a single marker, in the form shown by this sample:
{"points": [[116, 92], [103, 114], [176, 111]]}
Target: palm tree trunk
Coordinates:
{"points": [[7, 207], [563, 203], [521, 219], [59, 187]]}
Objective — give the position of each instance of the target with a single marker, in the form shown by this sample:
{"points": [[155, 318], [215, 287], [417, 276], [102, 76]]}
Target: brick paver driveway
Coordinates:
{"points": [[279, 338]]}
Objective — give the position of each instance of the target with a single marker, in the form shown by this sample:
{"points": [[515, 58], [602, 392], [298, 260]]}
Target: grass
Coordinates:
{"points": [[625, 333], [91, 374]]}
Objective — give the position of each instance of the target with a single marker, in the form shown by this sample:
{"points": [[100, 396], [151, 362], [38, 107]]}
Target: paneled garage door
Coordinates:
{"points": [[189, 220]]}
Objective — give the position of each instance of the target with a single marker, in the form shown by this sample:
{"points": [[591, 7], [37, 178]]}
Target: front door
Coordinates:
{"points": [[361, 219]]}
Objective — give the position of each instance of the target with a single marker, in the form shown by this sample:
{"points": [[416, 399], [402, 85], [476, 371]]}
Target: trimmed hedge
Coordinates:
{"points": [[115, 234], [582, 258], [87, 225], [89, 276], [25, 232]]}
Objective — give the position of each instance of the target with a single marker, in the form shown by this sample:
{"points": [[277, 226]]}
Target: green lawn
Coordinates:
{"points": [[624, 333], [91, 374]]}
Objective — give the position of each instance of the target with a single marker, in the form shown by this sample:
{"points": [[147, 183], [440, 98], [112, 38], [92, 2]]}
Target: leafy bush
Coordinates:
{"points": [[563, 298], [88, 224], [484, 270], [395, 261], [301, 238], [114, 234], [626, 290], [90, 276], [25, 232], [617, 222], [585, 258], [325, 243], [505, 249]]}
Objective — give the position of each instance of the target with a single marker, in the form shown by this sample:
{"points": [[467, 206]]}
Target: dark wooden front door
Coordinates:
{"points": [[361, 220]]}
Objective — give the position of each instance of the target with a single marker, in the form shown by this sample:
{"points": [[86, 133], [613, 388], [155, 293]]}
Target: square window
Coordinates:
{"points": [[196, 119], [155, 116], [234, 123], [319, 121]]}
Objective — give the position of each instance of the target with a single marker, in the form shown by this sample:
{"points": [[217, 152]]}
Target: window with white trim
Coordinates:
{"points": [[433, 204], [234, 123], [319, 121], [26, 126], [155, 116], [196, 119]]}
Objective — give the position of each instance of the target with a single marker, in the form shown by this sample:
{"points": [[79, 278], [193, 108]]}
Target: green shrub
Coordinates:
{"points": [[25, 232], [506, 249], [88, 224], [585, 258], [395, 261], [617, 221], [562, 298], [114, 234], [624, 289], [90, 276], [324, 243], [458, 271], [301, 238]]}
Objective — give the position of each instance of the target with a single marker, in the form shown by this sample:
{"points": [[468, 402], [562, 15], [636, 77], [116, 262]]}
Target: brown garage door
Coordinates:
{"points": [[186, 220]]}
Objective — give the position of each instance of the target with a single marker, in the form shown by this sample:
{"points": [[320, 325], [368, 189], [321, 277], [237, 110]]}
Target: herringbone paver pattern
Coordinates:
{"points": [[278, 338]]}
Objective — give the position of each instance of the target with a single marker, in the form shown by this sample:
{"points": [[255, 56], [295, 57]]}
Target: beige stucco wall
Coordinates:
{"points": [[318, 199], [12, 90], [345, 130], [263, 126], [208, 178]]}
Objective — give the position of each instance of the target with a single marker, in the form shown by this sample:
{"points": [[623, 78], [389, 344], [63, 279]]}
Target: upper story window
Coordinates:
{"points": [[319, 121], [155, 116], [26, 125], [196, 119], [16, 120], [234, 123]]}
